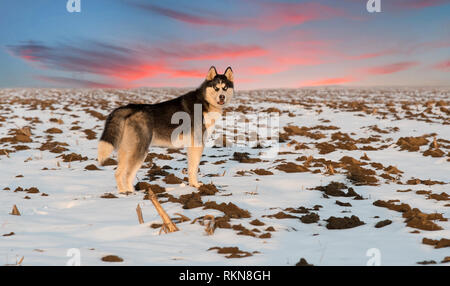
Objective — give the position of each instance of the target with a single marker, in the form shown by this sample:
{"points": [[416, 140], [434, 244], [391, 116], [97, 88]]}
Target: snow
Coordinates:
{"points": [[73, 215]]}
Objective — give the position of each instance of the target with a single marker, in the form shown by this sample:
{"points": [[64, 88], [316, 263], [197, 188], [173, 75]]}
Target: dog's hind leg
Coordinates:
{"points": [[121, 170], [135, 163]]}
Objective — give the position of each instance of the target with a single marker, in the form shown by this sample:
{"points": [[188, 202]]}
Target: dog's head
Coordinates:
{"points": [[219, 88]]}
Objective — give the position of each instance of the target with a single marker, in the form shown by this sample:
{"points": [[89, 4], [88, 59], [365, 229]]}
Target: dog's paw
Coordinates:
{"points": [[196, 185]]}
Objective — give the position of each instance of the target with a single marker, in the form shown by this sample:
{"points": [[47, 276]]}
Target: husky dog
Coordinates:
{"points": [[133, 128]]}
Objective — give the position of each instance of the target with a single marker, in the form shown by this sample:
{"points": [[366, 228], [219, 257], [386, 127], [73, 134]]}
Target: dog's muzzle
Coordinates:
{"points": [[221, 99]]}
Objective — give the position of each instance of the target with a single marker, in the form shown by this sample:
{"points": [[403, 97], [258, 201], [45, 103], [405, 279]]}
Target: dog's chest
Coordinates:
{"points": [[210, 118]]}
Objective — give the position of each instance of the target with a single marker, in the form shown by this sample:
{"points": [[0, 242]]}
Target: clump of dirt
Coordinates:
{"points": [[435, 153], [108, 196], [91, 167], [334, 189], [230, 209], [262, 172], [189, 201], [233, 252], [243, 230], [343, 222], [90, 135], [361, 176], [208, 190], [72, 157], [439, 197], [303, 131], [172, 179], [310, 218], [256, 222], [109, 162], [150, 157], [303, 262], [281, 215], [443, 242], [244, 158], [411, 143], [413, 217], [53, 131], [342, 204], [383, 223], [265, 235], [155, 171], [54, 146], [414, 181], [426, 262], [144, 186], [32, 190], [112, 258], [291, 167], [325, 148]]}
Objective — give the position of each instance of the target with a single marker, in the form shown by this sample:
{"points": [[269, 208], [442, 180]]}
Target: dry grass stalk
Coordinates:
{"points": [[331, 169], [139, 214], [211, 226], [435, 145], [168, 225], [15, 211]]}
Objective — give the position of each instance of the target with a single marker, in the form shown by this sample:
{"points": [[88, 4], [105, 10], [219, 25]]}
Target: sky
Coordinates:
{"points": [[268, 43]]}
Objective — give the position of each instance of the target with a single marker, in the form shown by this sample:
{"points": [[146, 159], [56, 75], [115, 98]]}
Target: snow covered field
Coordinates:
{"points": [[348, 159]]}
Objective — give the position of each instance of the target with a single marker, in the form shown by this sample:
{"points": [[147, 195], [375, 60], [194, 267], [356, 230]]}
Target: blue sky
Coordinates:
{"points": [[269, 44]]}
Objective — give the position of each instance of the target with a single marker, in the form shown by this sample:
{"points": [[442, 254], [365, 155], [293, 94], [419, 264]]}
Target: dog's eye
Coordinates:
{"points": [[225, 88], [216, 88]]}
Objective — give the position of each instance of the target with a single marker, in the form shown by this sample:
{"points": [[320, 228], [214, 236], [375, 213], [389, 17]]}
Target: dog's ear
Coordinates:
{"points": [[229, 73], [211, 73]]}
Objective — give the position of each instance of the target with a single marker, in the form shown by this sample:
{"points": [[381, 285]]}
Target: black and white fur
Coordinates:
{"points": [[131, 129]]}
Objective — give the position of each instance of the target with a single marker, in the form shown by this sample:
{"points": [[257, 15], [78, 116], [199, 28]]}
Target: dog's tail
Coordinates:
{"points": [[112, 134]]}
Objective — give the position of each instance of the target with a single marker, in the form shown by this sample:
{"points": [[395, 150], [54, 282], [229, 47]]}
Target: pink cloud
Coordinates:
{"points": [[267, 15], [390, 68], [442, 66], [329, 81]]}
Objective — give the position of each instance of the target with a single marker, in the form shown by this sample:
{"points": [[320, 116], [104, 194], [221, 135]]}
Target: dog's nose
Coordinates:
{"points": [[222, 97]]}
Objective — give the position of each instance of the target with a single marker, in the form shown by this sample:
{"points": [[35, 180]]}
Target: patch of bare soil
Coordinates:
{"points": [[383, 223], [112, 258], [108, 196], [414, 181], [8, 234], [443, 242], [325, 148], [361, 176], [90, 135], [262, 172], [54, 147], [230, 209], [172, 179], [411, 143], [334, 189], [303, 262], [244, 157], [109, 162], [207, 190], [232, 252], [91, 167], [281, 215], [72, 157], [53, 130], [291, 167], [343, 222], [310, 218], [413, 217]]}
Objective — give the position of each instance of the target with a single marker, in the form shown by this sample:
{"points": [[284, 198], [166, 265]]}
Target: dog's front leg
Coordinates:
{"points": [[194, 156]]}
